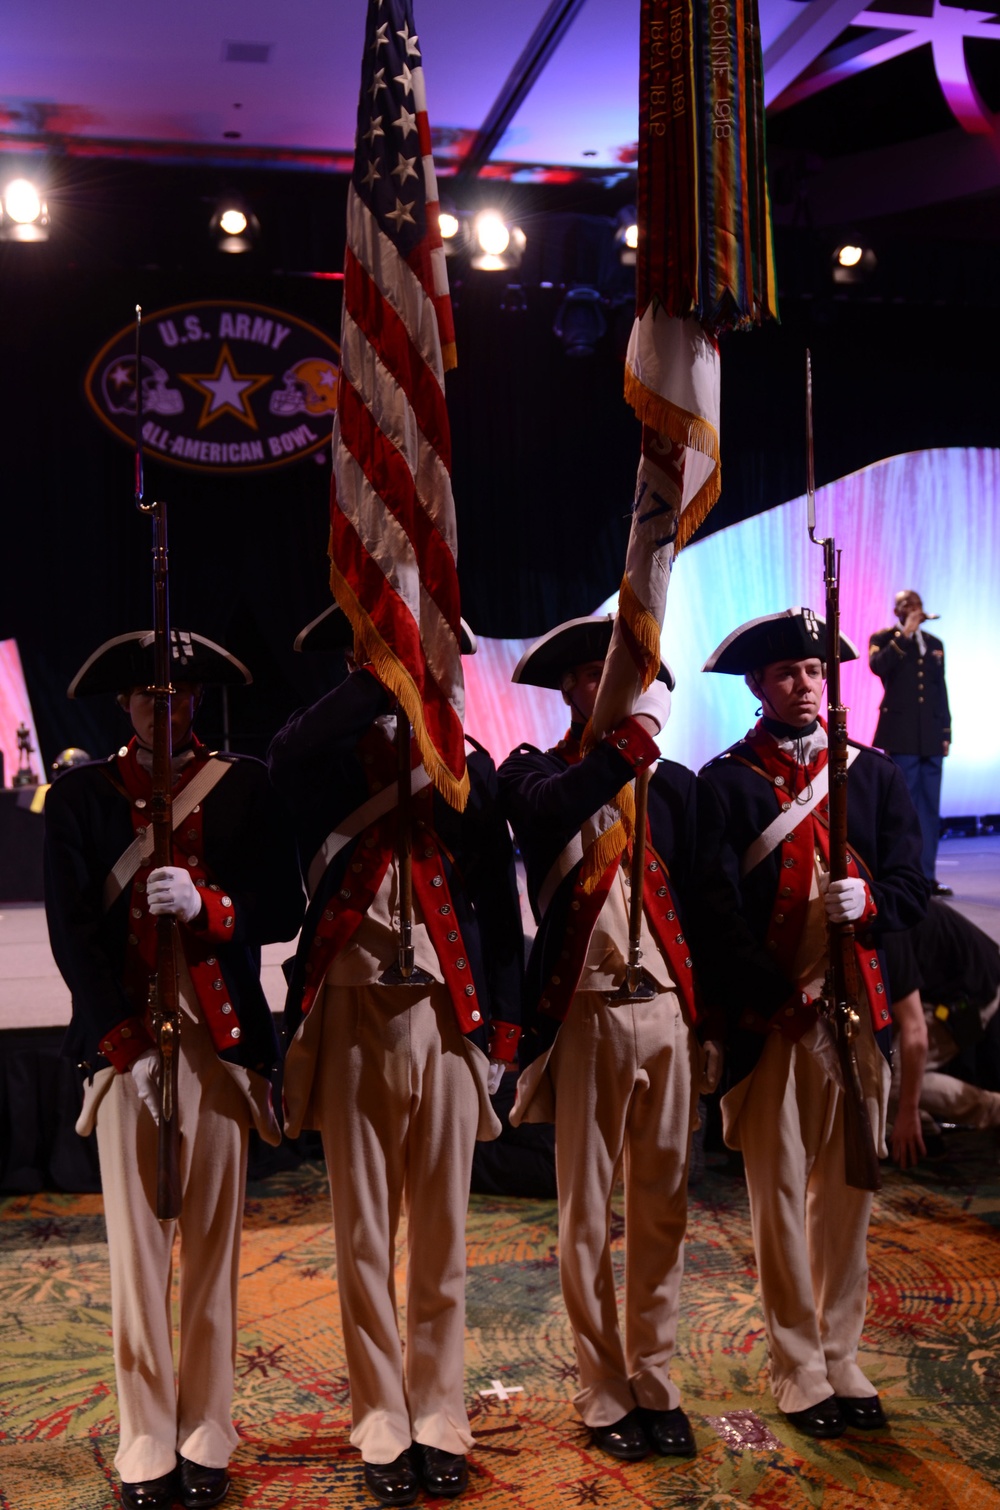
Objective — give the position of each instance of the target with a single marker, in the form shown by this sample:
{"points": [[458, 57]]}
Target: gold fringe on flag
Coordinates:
{"points": [[644, 628], [399, 684], [684, 429]]}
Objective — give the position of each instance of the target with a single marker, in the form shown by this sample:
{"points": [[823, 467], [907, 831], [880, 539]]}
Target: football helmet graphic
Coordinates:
{"points": [[118, 388], [310, 388]]}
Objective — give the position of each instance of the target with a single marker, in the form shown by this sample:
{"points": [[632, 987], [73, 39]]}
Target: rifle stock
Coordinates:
{"points": [[843, 1000], [164, 1001]]}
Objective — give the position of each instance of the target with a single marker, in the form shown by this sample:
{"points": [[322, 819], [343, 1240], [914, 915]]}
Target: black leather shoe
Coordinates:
{"points": [[151, 1494], [443, 1474], [624, 1439], [202, 1486], [822, 1420], [669, 1432], [863, 1412], [937, 890], [393, 1483]]}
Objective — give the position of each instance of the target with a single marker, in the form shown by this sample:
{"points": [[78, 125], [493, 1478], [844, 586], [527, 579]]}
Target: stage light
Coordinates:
{"points": [[233, 222], [626, 236], [853, 263], [579, 322], [501, 244], [24, 215], [449, 225], [492, 234], [234, 226]]}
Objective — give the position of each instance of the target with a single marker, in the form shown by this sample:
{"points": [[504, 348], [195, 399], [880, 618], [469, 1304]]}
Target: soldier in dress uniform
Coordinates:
{"points": [[233, 886], [914, 720], [785, 1107], [619, 1078], [397, 1076]]}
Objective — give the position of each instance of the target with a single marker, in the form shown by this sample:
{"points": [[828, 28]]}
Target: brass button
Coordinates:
{"points": [[444, 911], [226, 1008], [779, 780], [140, 802], [437, 880], [217, 984], [227, 901], [234, 1033], [476, 1017], [671, 915], [661, 891], [452, 935], [192, 859], [344, 894], [460, 963]]}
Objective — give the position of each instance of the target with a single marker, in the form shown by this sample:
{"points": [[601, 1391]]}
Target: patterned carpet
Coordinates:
{"points": [[930, 1346]]}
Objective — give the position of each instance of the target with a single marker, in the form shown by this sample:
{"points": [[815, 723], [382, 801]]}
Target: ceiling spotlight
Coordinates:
{"points": [[24, 215], [853, 263], [232, 222], [626, 236], [580, 322], [500, 245], [234, 226], [492, 234]]}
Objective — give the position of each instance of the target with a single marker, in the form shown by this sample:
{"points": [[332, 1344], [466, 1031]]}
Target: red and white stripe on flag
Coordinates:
{"points": [[392, 514]]}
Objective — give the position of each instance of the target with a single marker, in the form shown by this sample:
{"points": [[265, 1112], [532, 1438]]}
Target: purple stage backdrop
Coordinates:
{"points": [[929, 520]]}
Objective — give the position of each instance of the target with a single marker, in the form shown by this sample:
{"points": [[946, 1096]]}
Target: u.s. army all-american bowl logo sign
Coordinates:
{"points": [[225, 386]]}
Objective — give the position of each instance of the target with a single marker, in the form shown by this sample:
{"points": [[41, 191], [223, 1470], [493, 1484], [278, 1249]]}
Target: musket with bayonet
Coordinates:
{"points": [[404, 972], [843, 1001], [164, 1002], [637, 985]]}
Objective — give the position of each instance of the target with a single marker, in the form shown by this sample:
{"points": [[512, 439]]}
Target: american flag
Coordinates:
{"points": [[392, 514]]}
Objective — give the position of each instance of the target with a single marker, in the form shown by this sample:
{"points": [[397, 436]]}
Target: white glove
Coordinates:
{"points": [[654, 703], [494, 1075], [711, 1067], [844, 900], [146, 1074], [171, 889]]}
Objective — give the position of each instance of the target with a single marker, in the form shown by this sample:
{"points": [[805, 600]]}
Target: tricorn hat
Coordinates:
{"points": [[545, 663], [127, 661], [795, 634], [331, 630]]}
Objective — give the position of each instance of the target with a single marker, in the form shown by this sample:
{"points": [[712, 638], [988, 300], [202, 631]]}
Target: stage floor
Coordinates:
{"points": [[32, 993]]}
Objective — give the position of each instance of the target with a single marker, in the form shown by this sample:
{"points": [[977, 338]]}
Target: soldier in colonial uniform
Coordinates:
{"points": [[397, 1076], [233, 886], [620, 1078], [785, 1108], [914, 720]]}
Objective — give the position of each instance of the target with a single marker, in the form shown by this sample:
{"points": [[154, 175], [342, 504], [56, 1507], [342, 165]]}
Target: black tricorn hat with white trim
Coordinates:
{"points": [[331, 630], [795, 634], [574, 643], [127, 661]]}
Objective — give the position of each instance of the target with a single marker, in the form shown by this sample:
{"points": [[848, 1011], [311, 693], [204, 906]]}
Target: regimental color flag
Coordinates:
{"points": [[392, 515], [705, 264]]}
